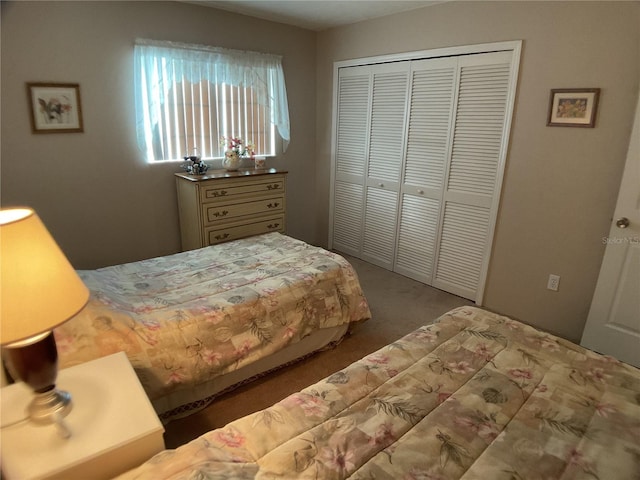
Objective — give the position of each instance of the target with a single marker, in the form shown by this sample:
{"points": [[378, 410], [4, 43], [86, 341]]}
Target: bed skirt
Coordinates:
{"points": [[209, 391]]}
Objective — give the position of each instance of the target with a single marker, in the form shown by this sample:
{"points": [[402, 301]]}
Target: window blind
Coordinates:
{"points": [[190, 96]]}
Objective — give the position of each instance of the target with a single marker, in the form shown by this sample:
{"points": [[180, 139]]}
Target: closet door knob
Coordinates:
{"points": [[622, 222], [420, 192], [381, 185]]}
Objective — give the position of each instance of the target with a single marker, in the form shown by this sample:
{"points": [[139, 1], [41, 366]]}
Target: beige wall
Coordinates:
{"points": [[100, 200], [560, 183]]}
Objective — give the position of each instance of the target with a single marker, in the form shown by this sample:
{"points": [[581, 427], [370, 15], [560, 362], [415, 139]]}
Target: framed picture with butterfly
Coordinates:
{"points": [[55, 107]]}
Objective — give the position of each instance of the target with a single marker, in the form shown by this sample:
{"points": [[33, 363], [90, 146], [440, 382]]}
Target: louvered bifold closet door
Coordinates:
{"points": [[386, 152], [474, 174], [433, 86], [352, 142]]}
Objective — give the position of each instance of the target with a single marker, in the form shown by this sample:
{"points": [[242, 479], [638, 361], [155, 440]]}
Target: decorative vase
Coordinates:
{"points": [[231, 162]]}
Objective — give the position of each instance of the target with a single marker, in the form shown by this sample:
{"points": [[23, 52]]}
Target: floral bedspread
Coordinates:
{"points": [[186, 318], [473, 396]]}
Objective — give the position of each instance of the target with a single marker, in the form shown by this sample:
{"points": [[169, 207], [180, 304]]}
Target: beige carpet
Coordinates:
{"points": [[398, 305]]}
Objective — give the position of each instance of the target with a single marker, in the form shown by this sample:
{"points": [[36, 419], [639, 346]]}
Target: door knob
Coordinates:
{"points": [[622, 222]]}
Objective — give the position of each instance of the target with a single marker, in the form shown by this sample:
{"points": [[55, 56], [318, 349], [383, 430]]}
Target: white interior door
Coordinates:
{"points": [[613, 324]]}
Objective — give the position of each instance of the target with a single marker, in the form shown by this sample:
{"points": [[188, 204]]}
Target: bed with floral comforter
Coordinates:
{"points": [[187, 319], [473, 396]]}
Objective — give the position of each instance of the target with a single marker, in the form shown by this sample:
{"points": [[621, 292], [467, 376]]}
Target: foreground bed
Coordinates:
{"points": [[474, 396], [199, 322]]}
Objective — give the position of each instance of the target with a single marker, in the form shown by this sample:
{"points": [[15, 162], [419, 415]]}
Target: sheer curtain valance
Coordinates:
{"points": [[160, 65]]}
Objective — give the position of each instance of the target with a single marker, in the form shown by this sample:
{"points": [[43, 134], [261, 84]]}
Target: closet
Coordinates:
{"points": [[418, 158]]}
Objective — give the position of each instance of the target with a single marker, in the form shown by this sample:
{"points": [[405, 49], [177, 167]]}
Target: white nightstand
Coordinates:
{"points": [[113, 426]]}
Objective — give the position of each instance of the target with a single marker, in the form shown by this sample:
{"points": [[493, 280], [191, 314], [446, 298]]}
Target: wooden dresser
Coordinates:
{"points": [[221, 206]]}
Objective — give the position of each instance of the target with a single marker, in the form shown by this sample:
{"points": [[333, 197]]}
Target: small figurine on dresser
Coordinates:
{"points": [[197, 166]]}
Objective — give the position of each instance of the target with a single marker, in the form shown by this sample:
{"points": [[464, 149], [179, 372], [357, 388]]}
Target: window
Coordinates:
{"points": [[190, 96]]}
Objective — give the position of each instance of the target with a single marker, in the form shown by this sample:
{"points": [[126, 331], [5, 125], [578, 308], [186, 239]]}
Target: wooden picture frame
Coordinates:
{"points": [[573, 107], [55, 107]]}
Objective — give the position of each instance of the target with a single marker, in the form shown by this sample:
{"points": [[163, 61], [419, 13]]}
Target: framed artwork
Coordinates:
{"points": [[573, 107], [55, 107]]}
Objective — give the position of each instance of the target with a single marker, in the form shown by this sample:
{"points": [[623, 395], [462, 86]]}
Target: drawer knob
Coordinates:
{"points": [[273, 225], [221, 214], [221, 237], [219, 193], [274, 186], [273, 205]]}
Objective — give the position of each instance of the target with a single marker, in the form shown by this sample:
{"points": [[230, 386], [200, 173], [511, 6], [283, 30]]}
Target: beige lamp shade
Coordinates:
{"points": [[39, 289]]}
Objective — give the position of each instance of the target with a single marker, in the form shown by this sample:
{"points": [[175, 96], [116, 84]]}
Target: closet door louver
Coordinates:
{"points": [[380, 227], [472, 179], [417, 237], [352, 140], [353, 122], [347, 218], [432, 90], [388, 114], [461, 252]]}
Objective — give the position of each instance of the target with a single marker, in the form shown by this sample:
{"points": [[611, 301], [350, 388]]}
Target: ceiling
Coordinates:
{"points": [[316, 15]]}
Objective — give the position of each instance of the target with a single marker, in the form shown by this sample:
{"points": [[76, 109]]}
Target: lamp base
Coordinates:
{"points": [[49, 407], [35, 362]]}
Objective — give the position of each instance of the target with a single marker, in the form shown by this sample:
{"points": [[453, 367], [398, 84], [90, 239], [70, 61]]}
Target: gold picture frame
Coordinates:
{"points": [[55, 107], [573, 107]]}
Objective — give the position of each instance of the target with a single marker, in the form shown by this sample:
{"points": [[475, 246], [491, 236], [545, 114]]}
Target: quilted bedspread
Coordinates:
{"points": [[473, 396], [185, 318]]}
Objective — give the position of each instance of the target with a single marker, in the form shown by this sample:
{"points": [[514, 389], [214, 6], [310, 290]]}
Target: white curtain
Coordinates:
{"points": [[159, 64]]}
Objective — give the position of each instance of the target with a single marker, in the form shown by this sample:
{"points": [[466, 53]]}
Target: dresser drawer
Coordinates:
{"points": [[217, 212], [222, 191], [234, 231]]}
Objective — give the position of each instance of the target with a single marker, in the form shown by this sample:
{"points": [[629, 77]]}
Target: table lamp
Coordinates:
{"points": [[39, 290]]}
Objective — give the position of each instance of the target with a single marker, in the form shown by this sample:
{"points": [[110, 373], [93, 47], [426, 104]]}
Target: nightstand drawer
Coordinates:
{"points": [[219, 192], [231, 231], [214, 213]]}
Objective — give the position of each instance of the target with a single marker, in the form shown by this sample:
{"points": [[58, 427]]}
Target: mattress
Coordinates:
{"points": [[188, 321], [475, 395]]}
